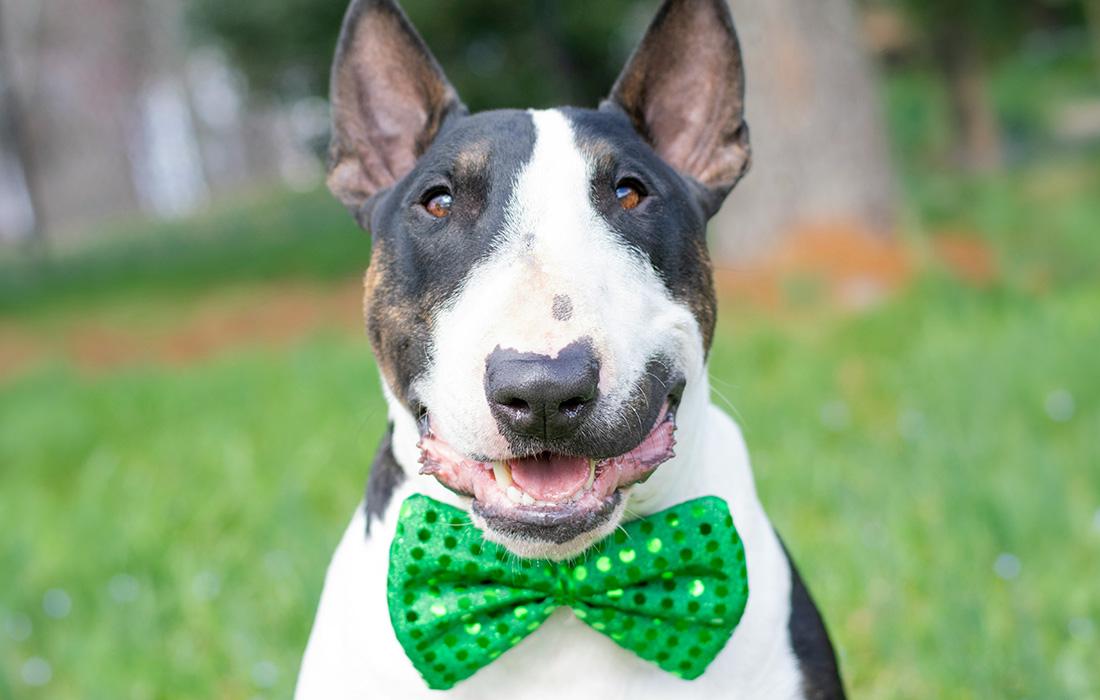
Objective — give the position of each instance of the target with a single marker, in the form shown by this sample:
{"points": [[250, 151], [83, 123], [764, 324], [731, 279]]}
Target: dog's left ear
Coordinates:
{"points": [[684, 91], [389, 100]]}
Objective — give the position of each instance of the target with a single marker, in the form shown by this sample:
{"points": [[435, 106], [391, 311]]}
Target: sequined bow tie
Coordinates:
{"points": [[670, 588]]}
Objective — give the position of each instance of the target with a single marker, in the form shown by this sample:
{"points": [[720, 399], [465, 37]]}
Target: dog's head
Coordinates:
{"points": [[540, 293]]}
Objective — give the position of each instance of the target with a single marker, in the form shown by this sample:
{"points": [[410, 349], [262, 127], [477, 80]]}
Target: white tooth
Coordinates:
{"points": [[503, 474], [526, 500], [514, 494], [591, 474]]}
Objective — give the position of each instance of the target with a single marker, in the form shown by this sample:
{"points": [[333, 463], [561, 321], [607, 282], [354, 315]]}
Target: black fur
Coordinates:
{"points": [[384, 478], [562, 308], [669, 225], [810, 643], [422, 260]]}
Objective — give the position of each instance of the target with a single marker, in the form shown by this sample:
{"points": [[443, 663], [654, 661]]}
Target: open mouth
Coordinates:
{"points": [[547, 496]]}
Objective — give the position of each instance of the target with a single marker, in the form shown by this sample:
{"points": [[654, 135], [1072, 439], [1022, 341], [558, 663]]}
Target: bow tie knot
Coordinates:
{"points": [[670, 588]]}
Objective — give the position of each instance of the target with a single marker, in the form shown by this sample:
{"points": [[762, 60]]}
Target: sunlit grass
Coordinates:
{"points": [[932, 465]]}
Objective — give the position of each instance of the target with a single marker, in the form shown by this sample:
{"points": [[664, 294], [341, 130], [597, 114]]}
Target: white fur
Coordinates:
{"points": [[353, 652], [556, 243]]}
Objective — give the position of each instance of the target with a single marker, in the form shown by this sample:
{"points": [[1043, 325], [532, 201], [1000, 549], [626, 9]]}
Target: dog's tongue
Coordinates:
{"points": [[550, 477]]}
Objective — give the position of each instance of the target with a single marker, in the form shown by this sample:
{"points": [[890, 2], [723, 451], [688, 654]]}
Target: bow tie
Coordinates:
{"points": [[670, 588]]}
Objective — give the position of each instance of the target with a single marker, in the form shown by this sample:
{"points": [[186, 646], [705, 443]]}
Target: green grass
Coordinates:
{"points": [[267, 237], [933, 464], [188, 514]]}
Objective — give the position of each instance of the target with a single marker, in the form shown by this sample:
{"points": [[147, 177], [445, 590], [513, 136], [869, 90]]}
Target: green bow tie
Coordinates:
{"points": [[670, 588]]}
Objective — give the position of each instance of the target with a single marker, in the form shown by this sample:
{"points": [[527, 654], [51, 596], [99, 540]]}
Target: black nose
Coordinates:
{"points": [[538, 396]]}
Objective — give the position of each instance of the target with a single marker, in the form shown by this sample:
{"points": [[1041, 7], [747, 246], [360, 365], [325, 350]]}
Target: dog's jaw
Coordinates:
{"points": [[533, 548], [673, 482]]}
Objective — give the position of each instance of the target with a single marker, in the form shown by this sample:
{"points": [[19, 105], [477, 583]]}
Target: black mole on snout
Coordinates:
{"points": [[562, 308]]}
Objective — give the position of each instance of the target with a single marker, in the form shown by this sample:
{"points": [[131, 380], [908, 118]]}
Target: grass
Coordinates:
{"points": [[267, 237], [187, 514], [933, 463]]}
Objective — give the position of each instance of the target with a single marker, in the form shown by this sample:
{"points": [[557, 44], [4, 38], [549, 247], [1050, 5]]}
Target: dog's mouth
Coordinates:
{"points": [[547, 497]]}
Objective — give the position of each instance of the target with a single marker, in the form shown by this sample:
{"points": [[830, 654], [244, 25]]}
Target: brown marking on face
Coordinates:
{"points": [[562, 307], [599, 152], [473, 159], [697, 291], [397, 325]]}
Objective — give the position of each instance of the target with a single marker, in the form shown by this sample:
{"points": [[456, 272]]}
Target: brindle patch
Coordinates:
{"points": [[396, 325]]}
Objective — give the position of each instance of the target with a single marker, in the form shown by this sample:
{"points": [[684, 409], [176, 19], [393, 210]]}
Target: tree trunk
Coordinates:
{"points": [[977, 127], [820, 152], [13, 129], [1092, 15]]}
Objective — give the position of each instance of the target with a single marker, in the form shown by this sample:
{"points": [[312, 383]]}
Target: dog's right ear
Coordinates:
{"points": [[684, 91], [389, 100]]}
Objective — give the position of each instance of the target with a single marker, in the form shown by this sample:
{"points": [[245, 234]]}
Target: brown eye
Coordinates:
{"points": [[629, 193], [439, 204]]}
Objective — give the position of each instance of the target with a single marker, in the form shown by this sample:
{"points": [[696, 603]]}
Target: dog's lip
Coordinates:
{"points": [[556, 526], [544, 517], [609, 477]]}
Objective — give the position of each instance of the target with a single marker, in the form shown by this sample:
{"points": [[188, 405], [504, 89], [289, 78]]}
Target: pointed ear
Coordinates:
{"points": [[389, 100], [684, 91]]}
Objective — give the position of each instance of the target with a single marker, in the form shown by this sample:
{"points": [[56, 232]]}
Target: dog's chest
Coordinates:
{"points": [[563, 658], [355, 654]]}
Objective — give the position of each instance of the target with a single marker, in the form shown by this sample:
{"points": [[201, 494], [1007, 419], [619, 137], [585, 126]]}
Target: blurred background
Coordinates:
{"points": [[909, 327]]}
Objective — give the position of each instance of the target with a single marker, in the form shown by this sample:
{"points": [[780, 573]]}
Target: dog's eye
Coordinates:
{"points": [[630, 193], [438, 203]]}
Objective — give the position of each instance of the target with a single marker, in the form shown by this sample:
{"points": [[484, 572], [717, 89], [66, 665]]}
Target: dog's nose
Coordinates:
{"points": [[538, 396]]}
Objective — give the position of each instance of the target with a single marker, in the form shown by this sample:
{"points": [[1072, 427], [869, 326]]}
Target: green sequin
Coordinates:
{"points": [[457, 602]]}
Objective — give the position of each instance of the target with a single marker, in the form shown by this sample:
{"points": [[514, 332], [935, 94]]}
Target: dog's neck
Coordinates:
{"points": [[677, 480]]}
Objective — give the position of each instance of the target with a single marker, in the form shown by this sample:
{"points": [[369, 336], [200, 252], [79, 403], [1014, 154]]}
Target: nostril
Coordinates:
{"points": [[516, 404], [542, 396], [573, 405]]}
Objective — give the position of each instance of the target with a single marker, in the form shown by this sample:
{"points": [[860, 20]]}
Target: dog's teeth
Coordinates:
{"points": [[526, 500], [514, 494], [591, 474], [503, 474]]}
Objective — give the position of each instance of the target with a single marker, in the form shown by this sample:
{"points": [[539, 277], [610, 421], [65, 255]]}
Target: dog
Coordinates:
{"points": [[541, 305]]}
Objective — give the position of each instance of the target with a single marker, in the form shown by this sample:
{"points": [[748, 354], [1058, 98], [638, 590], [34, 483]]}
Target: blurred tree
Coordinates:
{"points": [[964, 40], [821, 154], [498, 53], [15, 136], [820, 151], [1092, 16]]}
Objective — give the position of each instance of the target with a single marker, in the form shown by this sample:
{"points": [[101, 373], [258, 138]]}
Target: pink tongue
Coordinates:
{"points": [[551, 477]]}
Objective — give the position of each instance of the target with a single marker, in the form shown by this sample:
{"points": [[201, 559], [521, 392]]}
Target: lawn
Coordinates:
{"points": [[933, 462]]}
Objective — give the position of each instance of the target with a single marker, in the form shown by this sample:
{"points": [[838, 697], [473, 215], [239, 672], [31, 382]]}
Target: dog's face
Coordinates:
{"points": [[539, 293]]}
